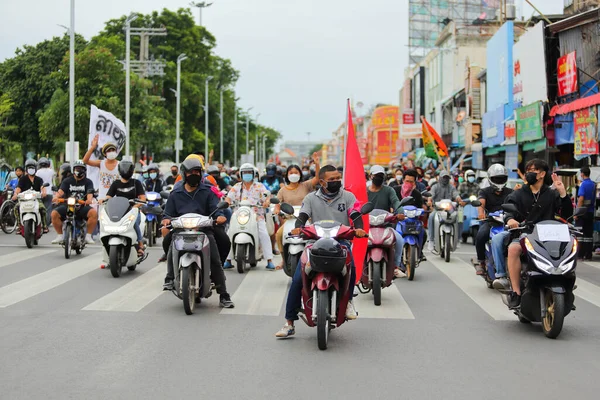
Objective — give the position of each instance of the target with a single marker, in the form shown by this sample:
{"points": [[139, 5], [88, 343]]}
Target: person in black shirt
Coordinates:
{"points": [[272, 182], [30, 181], [154, 183], [82, 188], [174, 172], [409, 188], [131, 189]]}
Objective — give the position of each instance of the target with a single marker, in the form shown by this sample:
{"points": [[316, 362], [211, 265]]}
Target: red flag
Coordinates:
{"points": [[356, 182]]}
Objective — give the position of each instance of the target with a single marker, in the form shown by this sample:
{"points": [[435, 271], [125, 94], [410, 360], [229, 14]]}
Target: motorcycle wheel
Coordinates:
{"points": [[376, 285], [8, 222], [552, 323], [188, 294], [151, 230], [29, 234], [412, 262], [323, 319], [240, 258], [292, 263], [67, 238], [447, 246], [115, 267]]}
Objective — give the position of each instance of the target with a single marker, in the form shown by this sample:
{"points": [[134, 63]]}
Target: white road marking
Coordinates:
{"points": [[463, 275], [261, 292], [587, 291], [393, 305], [594, 264], [40, 283], [23, 255], [133, 296]]}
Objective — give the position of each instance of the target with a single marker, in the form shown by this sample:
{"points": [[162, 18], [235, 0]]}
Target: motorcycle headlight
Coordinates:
{"points": [[71, 201], [243, 217], [528, 245], [377, 220], [152, 196], [28, 196], [186, 223], [411, 213]]}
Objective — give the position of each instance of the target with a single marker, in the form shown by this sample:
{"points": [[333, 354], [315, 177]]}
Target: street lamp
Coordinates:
{"points": [[220, 114], [248, 129], [264, 148], [235, 128], [257, 143], [72, 83], [205, 107], [132, 17], [200, 6], [178, 144]]}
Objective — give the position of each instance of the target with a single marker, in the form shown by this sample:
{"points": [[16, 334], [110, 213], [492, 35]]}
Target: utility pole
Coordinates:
{"points": [[128, 21], [235, 129], [208, 78], [221, 159], [257, 144], [178, 144], [248, 130], [200, 6], [72, 83]]}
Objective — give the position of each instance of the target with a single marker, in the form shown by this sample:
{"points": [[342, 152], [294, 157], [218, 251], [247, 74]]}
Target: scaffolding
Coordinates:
{"points": [[427, 19]]}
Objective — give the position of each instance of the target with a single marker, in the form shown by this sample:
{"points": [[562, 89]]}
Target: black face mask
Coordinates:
{"points": [[333, 187], [377, 180], [174, 173], [79, 174], [531, 178], [193, 180]]}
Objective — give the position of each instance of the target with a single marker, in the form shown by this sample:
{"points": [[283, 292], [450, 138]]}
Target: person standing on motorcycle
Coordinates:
{"points": [[259, 196], [271, 180], [586, 197], [491, 198], [81, 187], [174, 172], [330, 202], [385, 198], [193, 196], [536, 202], [31, 181], [131, 189], [153, 183], [109, 171], [469, 186], [440, 191]]}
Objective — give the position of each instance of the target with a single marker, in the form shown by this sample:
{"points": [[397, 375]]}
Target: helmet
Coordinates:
{"points": [[469, 172], [271, 169], [327, 255], [107, 147], [197, 157], [126, 169], [153, 167], [78, 166], [43, 163], [188, 165], [212, 169], [498, 176], [64, 170], [30, 164], [247, 167]]}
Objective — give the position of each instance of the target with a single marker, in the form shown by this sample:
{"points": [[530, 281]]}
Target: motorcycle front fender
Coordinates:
{"points": [[188, 259], [323, 281], [28, 216], [411, 240], [295, 248], [243, 238], [116, 241], [150, 217], [446, 228], [376, 254], [558, 289]]}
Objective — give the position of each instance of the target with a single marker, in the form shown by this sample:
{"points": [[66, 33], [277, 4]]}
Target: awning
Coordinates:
{"points": [[490, 151], [536, 146], [578, 104]]}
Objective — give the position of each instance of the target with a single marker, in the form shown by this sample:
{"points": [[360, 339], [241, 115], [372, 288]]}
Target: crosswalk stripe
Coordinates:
{"points": [[261, 292], [40, 283], [594, 264], [393, 305], [463, 275], [587, 291], [23, 255], [133, 296]]}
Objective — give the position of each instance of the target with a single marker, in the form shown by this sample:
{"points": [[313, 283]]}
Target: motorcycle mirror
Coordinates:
{"points": [[45, 185], [476, 203], [426, 194], [287, 208], [274, 200], [223, 205], [366, 208], [164, 195], [55, 188], [580, 211], [409, 200], [511, 208]]}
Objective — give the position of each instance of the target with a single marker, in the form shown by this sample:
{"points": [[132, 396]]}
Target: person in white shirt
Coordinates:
{"points": [[47, 174], [109, 167]]}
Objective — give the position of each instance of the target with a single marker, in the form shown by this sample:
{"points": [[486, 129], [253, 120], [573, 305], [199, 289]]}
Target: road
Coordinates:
{"points": [[71, 331]]}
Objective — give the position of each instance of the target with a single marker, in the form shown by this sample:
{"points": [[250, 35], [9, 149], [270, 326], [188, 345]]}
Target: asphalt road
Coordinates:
{"points": [[71, 331]]}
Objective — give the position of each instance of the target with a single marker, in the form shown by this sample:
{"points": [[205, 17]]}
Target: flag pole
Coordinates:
{"points": [[348, 116]]}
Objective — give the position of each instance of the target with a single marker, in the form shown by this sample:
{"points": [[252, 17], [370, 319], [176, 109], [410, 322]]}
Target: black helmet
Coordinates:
{"points": [[271, 169], [30, 164], [212, 169], [79, 169], [126, 169], [64, 170], [43, 163], [190, 164], [327, 255]]}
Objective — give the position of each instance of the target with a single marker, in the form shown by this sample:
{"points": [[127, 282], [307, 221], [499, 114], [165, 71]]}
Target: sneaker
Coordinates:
{"points": [[168, 285], [479, 267], [227, 265], [58, 240], [162, 258], [430, 246], [351, 313], [399, 274], [501, 283], [514, 300], [422, 258], [270, 266], [225, 301], [88, 239], [287, 330]]}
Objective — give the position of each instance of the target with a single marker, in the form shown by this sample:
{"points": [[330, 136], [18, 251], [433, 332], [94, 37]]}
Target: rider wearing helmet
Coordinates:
{"points": [[64, 171], [47, 174], [213, 171], [271, 180], [131, 189], [193, 196], [259, 196], [154, 183], [491, 198], [31, 181], [106, 162], [83, 189], [469, 186]]}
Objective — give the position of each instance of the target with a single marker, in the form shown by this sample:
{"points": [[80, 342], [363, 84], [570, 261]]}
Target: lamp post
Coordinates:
{"points": [[178, 145], [200, 6], [221, 159], [264, 148], [72, 83], [208, 78], [128, 21], [235, 128], [257, 143], [248, 130]]}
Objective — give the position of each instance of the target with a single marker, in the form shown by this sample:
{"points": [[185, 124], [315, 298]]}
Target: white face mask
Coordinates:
{"points": [[294, 178], [111, 155], [398, 177], [31, 171]]}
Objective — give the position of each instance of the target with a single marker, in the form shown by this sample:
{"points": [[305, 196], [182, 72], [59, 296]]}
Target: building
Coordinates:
{"points": [[301, 148], [578, 6]]}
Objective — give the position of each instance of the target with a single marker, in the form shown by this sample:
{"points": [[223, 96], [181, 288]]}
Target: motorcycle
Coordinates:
{"points": [[326, 278], [413, 232], [31, 219], [470, 221], [496, 221], [153, 211], [548, 268], [74, 230], [117, 234], [446, 225], [243, 232], [292, 246]]}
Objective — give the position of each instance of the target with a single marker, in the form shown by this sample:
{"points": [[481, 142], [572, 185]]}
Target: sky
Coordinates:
{"points": [[299, 60]]}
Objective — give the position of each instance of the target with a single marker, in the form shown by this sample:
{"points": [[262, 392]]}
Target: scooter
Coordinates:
{"points": [[153, 212], [190, 252], [413, 233], [74, 229], [31, 219], [117, 234], [325, 276], [446, 227], [496, 221], [293, 246], [548, 271]]}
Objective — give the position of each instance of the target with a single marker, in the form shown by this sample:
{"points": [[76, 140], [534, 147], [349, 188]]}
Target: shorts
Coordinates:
{"points": [[79, 214]]}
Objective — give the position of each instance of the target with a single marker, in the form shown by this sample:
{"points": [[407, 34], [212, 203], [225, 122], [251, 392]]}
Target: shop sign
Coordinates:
{"points": [[585, 124], [567, 74], [529, 123]]}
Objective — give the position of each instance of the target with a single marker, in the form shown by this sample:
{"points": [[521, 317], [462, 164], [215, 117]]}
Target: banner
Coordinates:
{"points": [[567, 74], [432, 142], [529, 123], [411, 131], [511, 157], [585, 123], [529, 67], [109, 129]]}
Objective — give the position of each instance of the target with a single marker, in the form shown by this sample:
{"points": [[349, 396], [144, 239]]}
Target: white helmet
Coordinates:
{"points": [[497, 176], [470, 172], [247, 167]]}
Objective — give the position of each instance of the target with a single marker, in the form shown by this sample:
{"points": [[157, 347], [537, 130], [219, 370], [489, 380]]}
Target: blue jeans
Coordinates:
{"points": [[430, 226], [294, 299], [498, 253], [399, 249], [138, 231]]}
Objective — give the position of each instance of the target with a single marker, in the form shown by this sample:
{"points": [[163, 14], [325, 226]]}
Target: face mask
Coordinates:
{"points": [[247, 177], [333, 187], [377, 180], [461, 179], [531, 178], [255, 180], [193, 180], [471, 179], [223, 174], [445, 181], [305, 173], [31, 171], [398, 178], [153, 175], [145, 175], [78, 174], [111, 155], [294, 178], [174, 173]]}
